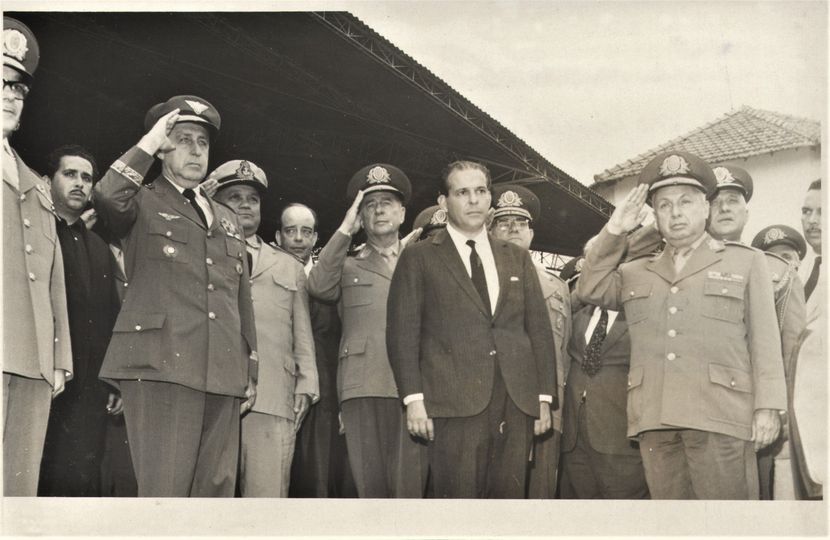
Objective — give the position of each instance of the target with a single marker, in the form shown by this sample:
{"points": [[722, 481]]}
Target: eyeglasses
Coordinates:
{"points": [[507, 224], [19, 89]]}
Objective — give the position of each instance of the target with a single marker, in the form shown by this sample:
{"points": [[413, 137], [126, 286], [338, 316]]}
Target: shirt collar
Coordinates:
{"points": [[253, 241], [197, 190], [460, 239], [393, 250], [693, 246]]}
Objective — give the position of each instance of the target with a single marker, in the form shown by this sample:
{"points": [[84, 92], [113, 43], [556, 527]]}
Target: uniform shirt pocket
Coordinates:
{"points": [[166, 240], [723, 300], [636, 300], [357, 291], [284, 291], [353, 362]]}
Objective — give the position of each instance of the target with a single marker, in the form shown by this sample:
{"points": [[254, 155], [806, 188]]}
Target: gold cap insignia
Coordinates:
{"points": [[674, 164], [439, 217], [509, 198], [774, 234], [724, 176], [378, 175], [15, 44], [197, 106], [244, 171]]}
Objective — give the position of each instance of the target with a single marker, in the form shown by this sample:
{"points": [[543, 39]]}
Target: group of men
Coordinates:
{"points": [[155, 345]]}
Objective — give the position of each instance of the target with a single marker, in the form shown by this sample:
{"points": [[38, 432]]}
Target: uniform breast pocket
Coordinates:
{"points": [[235, 248], [723, 300], [353, 362], [559, 313], [636, 300], [284, 290], [357, 291], [167, 239]]}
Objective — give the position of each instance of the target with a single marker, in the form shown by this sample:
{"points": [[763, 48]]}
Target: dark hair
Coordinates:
{"points": [[462, 165], [54, 159], [815, 184], [299, 205]]}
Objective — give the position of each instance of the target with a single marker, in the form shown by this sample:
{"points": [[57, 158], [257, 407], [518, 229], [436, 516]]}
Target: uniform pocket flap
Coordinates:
{"points": [[136, 322], [635, 377], [631, 292], [284, 282], [352, 347], [717, 287], [353, 280], [733, 378], [173, 230]]}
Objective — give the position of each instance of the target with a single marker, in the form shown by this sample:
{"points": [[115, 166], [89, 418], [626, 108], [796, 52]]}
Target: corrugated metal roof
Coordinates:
{"points": [[739, 134]]}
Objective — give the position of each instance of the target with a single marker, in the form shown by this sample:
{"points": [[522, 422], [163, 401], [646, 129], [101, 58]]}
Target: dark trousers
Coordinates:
{"points": [[184, 443], [386, 460], [25, 417], [692, 464], [544, 468], [117, 474], [482, 456], [588, 474]]}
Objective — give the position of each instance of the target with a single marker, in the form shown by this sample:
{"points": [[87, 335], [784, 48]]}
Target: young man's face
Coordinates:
{"points": [[467, 200], [811, 219], [72, 184]]}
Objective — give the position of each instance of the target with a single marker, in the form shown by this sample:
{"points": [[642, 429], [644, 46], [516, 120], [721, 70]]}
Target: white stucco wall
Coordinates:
{"points": [[780, 182]]}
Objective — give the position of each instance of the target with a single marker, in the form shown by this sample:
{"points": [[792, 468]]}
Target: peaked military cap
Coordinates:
{"points": [[513, 200], [780, 234], [380, 177], [20, 48], [677, 168], [191, 109], [430, 218], [731, 177], [241, 172]]}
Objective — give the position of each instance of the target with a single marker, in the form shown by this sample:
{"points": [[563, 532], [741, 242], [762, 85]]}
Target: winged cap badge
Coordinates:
{"points": [[774, 234], [674, 164], [15, 44], [378, 175], [509, 198], [724, 176], [244, 171], [197, 106], [439, 217]]}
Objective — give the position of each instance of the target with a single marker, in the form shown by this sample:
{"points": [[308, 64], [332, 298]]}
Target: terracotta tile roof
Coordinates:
{"points": [[739, 134]]}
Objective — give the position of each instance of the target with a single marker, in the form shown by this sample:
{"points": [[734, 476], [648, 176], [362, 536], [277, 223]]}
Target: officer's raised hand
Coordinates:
{"points": [[156, 139], [630, 212], [352, 223]]}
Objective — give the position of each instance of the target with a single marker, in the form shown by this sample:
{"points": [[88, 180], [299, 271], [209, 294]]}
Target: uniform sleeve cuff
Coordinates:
{"points": [[412, 397], [547, 398]]}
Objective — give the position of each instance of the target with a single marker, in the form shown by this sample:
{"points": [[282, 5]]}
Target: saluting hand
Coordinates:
{"points": [[417, 421], [766, 424], [210, 185], [411, 236], [352, 223], [156, 139], [630, 212]]}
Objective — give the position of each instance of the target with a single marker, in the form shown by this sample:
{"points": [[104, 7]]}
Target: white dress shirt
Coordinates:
{"points": [[485, 253], [806, 266], [253, 245], [592, 324], [201, 200]]}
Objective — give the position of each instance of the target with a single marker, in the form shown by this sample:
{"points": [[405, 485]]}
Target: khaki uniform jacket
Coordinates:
{"points": [[558, 300], [445, 344], [360, 285], [187, 317], [286, 345], [35, 320], [705, 344]]}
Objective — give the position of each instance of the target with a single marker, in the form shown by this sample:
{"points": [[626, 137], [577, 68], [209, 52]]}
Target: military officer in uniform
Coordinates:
{"points": [[385, 460], [183, 346], [429, 221], [783, 241], [37, 358], [706, 382], [516, 214], [728, 214], [287, 384]]}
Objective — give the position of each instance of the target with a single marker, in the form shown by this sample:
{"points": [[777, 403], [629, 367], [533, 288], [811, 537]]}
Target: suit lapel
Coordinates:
{"points": [[266, 259], [618, 329], [580, 324], [371, 261], [663, 265], [177, 202], [504, 267], [452, 259], [705, 255]]}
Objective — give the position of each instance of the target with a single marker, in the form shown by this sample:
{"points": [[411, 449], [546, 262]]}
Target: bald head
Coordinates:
{"points": [[298, 230]]}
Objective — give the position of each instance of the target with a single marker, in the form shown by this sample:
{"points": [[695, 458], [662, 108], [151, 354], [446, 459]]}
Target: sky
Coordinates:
{"points": [[592, 84]]}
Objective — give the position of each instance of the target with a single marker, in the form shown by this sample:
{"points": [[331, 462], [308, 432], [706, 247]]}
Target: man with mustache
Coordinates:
{"points": [[37, 359], [75, 437], [183, 347], [706, 382]]}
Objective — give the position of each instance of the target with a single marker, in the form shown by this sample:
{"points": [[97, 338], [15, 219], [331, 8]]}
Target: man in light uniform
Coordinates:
{"points": [[707, 380]]}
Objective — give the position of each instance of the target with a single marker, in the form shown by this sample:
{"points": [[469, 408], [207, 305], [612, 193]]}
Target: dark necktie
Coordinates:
{"points": [[250, 262], [813, 279], [190, 195], [593, 359], [477, 274]]}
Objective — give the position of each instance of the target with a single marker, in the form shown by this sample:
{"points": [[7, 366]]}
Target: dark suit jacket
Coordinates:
{"points": [[444, 344], [605, 392]]}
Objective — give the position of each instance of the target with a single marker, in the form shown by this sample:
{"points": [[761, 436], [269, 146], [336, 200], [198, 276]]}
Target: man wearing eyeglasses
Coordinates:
{"points": [[517, 209], [37, 358]]}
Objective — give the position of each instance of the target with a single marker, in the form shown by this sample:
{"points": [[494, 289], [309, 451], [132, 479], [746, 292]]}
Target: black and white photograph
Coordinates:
{"points": [[414, 268]]}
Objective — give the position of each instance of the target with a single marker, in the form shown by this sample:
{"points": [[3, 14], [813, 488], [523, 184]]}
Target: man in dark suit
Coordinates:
{"points": [[598, 460], [183, 347], [471, 346], [75, 436]]}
